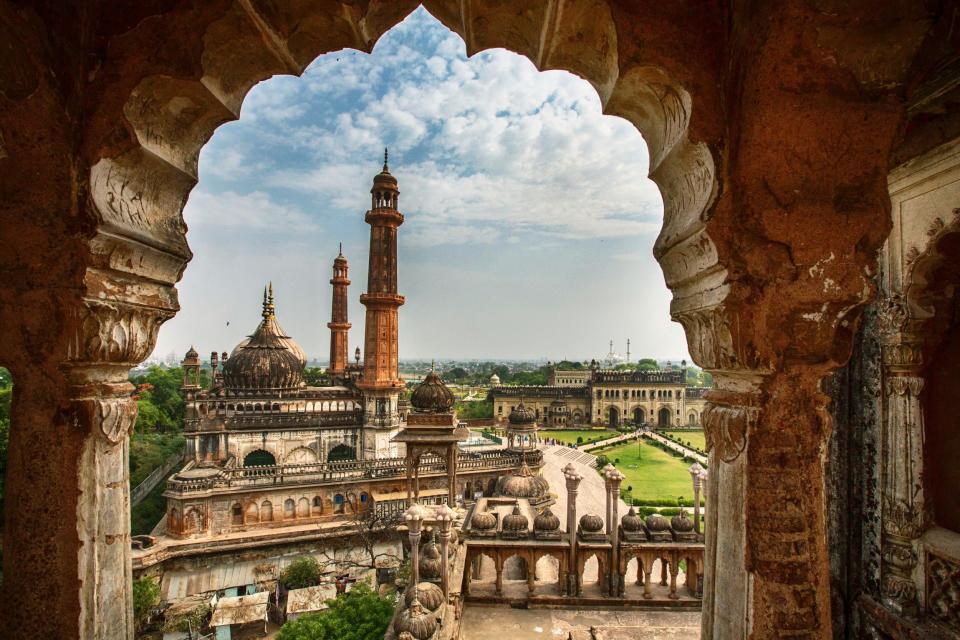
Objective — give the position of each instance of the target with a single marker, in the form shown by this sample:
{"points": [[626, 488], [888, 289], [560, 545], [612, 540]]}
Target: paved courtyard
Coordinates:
{"points": [[592, 495], [501, 623]]}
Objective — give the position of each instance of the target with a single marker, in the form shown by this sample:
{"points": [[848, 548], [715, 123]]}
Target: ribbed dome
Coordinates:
{"points": [[268, 361], [384, 177], [483, 521], [416, 621], [631, 522], [429, 595], [522, 414], [429, 564], [546, 520], [681, 522], [591, 523], [432, 396], [523, 483], [656, 522], [515, 521], [192, 354]]}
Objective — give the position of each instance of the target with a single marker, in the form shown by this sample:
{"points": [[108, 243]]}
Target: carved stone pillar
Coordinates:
{"points": [[695, 472], [414, 519], [572, 479], [445, 518], [613, 479], [733, 408], [905, 513]]}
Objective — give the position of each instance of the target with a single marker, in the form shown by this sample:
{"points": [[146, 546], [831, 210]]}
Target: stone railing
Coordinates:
{"points": [[336, 472], [156, 476], [299, 420]]}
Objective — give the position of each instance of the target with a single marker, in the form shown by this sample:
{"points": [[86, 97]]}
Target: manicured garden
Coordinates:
{"points": [[656, 477], [695, 438], [570, 436]]}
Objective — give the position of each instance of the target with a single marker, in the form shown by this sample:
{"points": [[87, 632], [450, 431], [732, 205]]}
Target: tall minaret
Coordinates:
{"points": [[381, 383], [339, 327]]}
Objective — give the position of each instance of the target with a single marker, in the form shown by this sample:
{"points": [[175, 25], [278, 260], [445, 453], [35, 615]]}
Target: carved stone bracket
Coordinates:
{"points": [[113, 416], [727, 419]]}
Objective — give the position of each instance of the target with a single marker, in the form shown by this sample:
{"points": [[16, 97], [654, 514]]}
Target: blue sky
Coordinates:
{"points": [[529, 217]]}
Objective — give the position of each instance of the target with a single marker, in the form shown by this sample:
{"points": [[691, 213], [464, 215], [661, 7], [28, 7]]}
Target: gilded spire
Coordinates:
{"points": [[386, 168], [268, 306]]}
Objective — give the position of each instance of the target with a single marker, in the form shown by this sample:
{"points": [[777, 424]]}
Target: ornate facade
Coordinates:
{"points": [[265, 451], [611, 398]]}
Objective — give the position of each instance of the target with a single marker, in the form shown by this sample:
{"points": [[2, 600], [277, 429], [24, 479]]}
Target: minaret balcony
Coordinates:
{"points": [[384, 216], [381, 300]]}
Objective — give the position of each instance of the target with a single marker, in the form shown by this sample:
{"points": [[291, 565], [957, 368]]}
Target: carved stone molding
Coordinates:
{"points": [[727, 419], [904, 520], [892, 314], [900, 589], [114, 417], [115, 332], [943, 589]]}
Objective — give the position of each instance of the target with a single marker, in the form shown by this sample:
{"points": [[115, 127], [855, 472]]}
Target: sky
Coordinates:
{"points": [[529, 218]]}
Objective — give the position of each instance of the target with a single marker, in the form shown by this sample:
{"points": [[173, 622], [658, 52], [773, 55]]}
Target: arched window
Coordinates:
{"points": [[338, 503], [317, 505], [266, 511], [303, 508], [253, 514], [259, 458], [288, 508], [236, 513], [363, 498]]}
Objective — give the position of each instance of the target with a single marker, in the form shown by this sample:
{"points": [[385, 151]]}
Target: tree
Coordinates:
{"points": [[602, 461], [146, 596], [315, 377], [457, 373], [359, 615], [474, 410], [190, 621], [361, 549], [302, 572]]}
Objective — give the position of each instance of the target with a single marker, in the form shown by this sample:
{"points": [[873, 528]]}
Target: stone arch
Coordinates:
{"points": [[259, 458], [144, 128], [303, 508], [251, 515], [301, 455], [236, 513], [613, 416], [638, 414], [289, 509], [341, 452], [664, 417], [266, 511]]}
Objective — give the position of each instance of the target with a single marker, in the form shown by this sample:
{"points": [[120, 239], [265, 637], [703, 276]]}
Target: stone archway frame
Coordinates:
{"points": [[145, 118]]}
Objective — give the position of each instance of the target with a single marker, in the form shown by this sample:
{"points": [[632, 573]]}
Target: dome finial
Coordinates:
{"points": [[385, 157], [341, 249], [268, 306]]}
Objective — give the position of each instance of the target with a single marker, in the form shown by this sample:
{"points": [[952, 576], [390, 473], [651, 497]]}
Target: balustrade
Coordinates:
{"points": [[345, 470]]}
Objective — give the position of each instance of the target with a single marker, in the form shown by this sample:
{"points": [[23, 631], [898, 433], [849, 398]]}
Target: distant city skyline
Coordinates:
{"points": [[529, 218]]}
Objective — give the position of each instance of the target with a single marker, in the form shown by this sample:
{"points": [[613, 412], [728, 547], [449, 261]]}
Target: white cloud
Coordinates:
{"points": [[254, 210]]}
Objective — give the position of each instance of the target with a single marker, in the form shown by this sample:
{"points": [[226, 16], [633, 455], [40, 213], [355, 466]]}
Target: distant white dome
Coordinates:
{"points": [[494, 379]]}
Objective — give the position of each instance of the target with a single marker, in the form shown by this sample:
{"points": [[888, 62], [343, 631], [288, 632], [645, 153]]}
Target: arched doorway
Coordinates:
{"points": [[340, 453], [663, 417], [259, 458], [638, 416], [613, 417]]}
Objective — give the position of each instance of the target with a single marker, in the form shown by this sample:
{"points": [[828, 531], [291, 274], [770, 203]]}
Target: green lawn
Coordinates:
{"points": [[695, 438], [654, 474], [570, 435]]}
